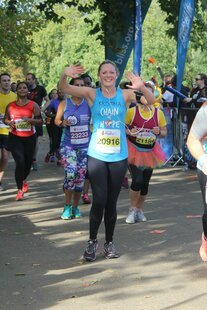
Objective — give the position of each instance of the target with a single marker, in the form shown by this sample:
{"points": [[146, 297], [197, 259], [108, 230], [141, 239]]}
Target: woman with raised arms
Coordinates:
{"points": [[107, 152]]}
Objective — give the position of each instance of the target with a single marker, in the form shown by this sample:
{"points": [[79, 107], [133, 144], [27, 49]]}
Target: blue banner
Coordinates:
{"points": [[167, 142], [121, 49], [186, 15], [138, 39]]}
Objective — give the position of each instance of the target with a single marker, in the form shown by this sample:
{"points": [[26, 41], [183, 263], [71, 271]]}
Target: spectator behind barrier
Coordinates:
{"points": [[172, 99], [198, 94]]}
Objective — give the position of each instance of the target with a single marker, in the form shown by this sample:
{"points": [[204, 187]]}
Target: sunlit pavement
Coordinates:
{"points": [[159, 268]]}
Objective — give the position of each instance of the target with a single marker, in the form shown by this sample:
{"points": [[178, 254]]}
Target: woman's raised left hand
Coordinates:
{"points": [[135, 80]]}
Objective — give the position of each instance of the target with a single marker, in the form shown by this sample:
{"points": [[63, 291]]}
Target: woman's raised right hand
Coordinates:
{"points": [[74, 71]]}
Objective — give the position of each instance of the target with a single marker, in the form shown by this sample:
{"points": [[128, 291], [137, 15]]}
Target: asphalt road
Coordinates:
{"points": [[41, 264]]}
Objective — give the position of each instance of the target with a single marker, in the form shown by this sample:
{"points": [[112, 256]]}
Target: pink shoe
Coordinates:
{"points": [[20, 195], [86, 199], [25, 187], [203, 249]]}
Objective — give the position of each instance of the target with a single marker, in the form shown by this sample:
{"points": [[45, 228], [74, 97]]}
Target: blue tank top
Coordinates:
{"points": [[78, 134], [108, 140]]}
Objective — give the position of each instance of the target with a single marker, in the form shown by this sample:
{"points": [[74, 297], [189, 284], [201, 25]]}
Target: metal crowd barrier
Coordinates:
{"points": [[178, 127]]}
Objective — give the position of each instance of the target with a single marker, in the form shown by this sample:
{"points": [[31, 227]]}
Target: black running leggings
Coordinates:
{"points": [[202, 178], [106, 180], [54, 133], [140, 179], [22, 149]]}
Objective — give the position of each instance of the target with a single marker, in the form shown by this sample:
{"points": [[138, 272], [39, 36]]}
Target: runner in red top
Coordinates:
{"points": [[22, 116]]}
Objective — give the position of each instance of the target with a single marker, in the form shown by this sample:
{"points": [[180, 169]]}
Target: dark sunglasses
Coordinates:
{"points": [[78, 84], [197, 79]]}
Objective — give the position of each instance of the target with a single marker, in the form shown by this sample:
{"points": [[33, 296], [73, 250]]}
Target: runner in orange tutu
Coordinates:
{"points": [[145, 124]]}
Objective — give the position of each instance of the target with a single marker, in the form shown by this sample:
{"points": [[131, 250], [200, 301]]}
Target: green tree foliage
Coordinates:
{"points": [[198, 36], [60, 44], [157, 44], [74, 32], [112, 10], [18, 21]]}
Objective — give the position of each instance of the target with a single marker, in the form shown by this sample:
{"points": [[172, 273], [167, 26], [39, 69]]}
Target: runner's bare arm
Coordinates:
{"points": [[37, 120], [196, 135], [195, 146], [74, 71], [7, 119]]}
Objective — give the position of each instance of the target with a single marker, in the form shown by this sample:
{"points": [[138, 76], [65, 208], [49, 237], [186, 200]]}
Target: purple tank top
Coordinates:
{"points": [[78, 134]]}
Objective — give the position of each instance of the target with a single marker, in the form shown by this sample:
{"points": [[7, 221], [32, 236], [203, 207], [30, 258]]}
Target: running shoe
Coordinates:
{"points": [[140, 217], [110, 250], [76, 213], [86, 199], [90, 252], [20, 195], [57, 154], [47, 158], [132, 216], [67, 213], [25, 187], [52, 159]]}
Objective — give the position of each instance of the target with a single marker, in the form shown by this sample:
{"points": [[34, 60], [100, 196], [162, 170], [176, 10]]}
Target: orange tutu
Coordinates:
{"points": [[151, 159]]}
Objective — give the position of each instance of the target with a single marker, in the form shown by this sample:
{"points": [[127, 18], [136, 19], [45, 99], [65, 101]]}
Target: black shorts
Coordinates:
{"points": [[39, 130], [4, 142]]}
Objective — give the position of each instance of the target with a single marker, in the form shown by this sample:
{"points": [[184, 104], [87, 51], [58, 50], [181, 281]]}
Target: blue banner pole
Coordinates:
{"points": [[186, 15], [138, 39]]}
